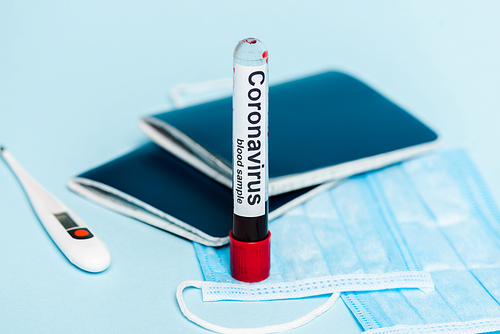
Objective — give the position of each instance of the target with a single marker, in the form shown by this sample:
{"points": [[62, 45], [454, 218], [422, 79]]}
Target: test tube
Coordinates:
{"points": [[250, 238]]}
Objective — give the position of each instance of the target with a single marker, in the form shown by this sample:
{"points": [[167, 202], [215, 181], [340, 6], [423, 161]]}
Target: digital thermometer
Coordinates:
{"points": [[74, 238]]}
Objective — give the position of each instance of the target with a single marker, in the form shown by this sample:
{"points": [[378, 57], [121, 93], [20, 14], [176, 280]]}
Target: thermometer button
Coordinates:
{"points": [[80, 233]]}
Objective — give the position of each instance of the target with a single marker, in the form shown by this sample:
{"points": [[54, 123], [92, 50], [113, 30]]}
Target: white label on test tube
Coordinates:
{"points": [[250, 134]]}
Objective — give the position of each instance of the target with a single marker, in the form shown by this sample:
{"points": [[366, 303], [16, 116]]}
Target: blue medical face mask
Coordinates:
{"points": [[429, 214], [314, 252]]}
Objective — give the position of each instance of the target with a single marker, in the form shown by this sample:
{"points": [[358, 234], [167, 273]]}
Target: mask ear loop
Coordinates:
{"points": [[267, 329], [177, 91]]}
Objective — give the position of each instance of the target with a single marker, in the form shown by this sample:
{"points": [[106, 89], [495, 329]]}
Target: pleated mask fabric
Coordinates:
{"points": [[451, 228]]}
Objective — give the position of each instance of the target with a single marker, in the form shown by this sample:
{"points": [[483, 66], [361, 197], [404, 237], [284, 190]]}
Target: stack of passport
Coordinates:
{"points": [[322, 128]]}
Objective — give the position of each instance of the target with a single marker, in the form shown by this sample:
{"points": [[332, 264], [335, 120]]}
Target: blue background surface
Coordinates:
{"points": [[75, 77]]}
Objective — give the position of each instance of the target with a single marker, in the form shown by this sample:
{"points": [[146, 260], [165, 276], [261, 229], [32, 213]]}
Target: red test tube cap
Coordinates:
{"points": [[250, 261]]}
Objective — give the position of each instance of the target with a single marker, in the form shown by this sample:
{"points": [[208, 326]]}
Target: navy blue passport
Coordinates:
{"points": [[321, 128], [155, 187]]}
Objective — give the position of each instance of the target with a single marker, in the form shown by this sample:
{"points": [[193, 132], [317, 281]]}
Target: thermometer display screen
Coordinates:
{"points": [[65, 220]]}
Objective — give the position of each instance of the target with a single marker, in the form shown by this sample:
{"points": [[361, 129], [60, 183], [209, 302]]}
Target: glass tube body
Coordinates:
{"points": [[250, 141]]}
